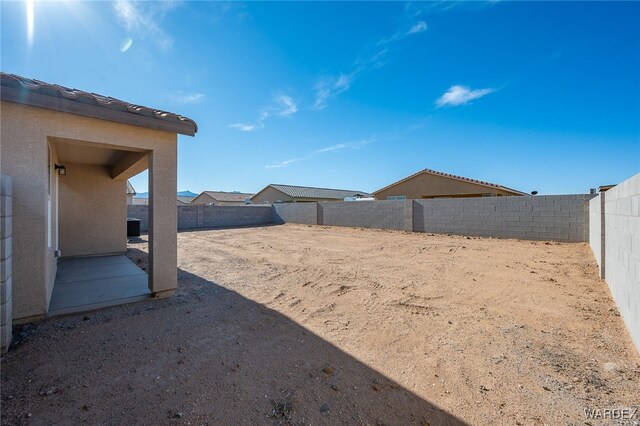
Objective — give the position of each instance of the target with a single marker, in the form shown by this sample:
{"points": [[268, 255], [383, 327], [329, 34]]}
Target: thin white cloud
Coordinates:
{"points": [[142, 19], [246, 127], [126, 44], [243, 127], [332, 148], [421, 8], [283, 106], [338, 147], [283, 164], [416, 28], [188, 98], [460, 95], [289, 107], [419, 27], [328, 87]]}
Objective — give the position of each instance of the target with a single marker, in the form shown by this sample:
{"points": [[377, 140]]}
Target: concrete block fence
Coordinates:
{"points": [[614, 221], [553, 217], [364, 214], [193, 217], [303, 213], [6, 293]]}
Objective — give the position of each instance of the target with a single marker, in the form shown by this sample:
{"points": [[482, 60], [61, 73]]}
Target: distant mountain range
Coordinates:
{"points": [[186, 193]]}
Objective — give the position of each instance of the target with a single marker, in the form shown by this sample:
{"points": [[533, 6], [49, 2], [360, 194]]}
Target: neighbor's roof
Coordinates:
{"points": [[237, 197], [450, 176], [15, 88], [320, 193], [605, 188], [130, 190], [185, 200]]}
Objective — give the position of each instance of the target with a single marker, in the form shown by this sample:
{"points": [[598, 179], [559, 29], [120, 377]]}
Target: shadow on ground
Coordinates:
{"points": [[206, 356]]}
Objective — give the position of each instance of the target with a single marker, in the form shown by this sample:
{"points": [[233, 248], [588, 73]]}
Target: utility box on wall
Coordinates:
{"points": [[133, 227]]}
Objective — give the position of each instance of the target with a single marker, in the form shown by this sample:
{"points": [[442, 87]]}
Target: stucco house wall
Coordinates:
{"points": [[86, 193], [203, 199], [26, 133], [270, 195], [427, 185], [6, 283]]}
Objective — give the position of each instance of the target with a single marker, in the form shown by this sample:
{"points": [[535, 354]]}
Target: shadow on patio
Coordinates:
{"points": [[206, 356], [88, 283]]}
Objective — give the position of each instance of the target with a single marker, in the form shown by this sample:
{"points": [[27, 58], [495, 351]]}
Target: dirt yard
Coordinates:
{"points": [[318, 325]]}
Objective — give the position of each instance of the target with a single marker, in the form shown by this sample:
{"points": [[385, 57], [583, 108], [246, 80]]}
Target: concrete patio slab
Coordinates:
{"points": [[85, 284]]}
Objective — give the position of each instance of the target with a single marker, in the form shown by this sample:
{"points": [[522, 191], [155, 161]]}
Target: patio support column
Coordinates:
{"points": [[163, 259]]}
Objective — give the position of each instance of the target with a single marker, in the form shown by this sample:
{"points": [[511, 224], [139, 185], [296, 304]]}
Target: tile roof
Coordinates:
{"points": [[53, 96], [185, 200], [320, 193], [448, 175], [235, 197]]}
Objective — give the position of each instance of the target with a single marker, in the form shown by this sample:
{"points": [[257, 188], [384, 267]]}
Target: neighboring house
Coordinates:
{"points": [[130, 193], [276, 193], [144, 201], [137, 201], [184, 200], [69, 154], [432, 184], [220, 198]]}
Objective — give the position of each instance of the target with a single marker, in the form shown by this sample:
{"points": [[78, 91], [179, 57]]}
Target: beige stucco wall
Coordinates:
{"points": [[163, 219], [24, 158], [203, 199], [23, 139], [270, 196], [51, 262], [92, 211], [427, 185]]}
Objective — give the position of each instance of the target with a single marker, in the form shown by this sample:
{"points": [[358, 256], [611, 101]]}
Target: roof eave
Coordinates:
{"points": [[446, 175], [11, 94]]}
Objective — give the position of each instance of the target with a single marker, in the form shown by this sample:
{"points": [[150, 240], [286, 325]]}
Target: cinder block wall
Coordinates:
{"points": [[222, 216], [6, 294], [304, 213], [365, 214], [193, 217], [139, 211], [552, 217], [595, 228], [622, 251]]}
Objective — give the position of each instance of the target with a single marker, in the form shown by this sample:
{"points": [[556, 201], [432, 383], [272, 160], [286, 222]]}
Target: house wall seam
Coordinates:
{"points": [[6, 290]]}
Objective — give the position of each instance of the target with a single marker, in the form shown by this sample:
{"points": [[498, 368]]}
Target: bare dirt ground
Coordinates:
{"points": [[318, 325]]}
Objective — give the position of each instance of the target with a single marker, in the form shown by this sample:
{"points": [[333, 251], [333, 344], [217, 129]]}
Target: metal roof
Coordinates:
{"points": [[27, 91], [228, 196], [447, 175], [319, 193]]}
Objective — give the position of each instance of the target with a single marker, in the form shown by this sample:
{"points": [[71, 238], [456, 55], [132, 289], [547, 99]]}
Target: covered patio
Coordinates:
{"points": [[89, 283], [70, 153]]}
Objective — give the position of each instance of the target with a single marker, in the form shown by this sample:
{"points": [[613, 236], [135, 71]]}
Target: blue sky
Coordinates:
{"points": [[532, 95]]}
